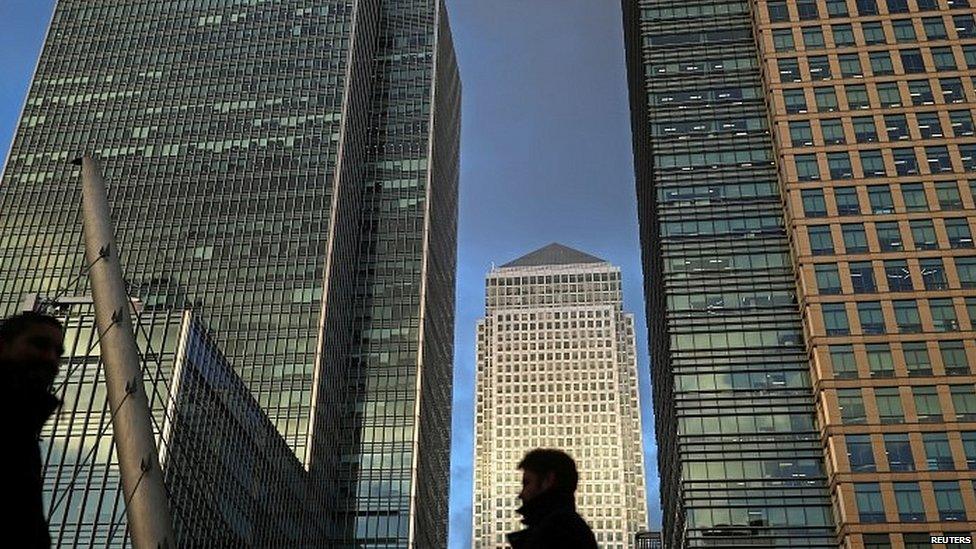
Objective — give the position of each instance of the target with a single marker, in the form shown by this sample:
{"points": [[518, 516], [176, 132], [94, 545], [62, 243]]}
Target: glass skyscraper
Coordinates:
{"points": [[289, 169], [859, 114], [739, 452]]}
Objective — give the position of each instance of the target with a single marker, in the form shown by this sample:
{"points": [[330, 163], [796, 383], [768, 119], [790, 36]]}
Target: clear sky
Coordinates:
{"points": [[545, 157]]}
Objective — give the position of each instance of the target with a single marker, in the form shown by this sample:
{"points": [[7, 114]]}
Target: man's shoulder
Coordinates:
{"points": [[568, 525]]}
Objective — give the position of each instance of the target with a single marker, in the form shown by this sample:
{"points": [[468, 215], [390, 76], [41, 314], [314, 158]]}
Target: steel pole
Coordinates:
{"points": [[147, 507]]}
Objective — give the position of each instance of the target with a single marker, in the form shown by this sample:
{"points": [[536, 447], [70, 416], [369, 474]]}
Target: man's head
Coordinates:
{"points": [[32, 344], [544, 470]]}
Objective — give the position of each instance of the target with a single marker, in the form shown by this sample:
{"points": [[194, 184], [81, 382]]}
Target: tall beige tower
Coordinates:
{"points": [[557, 369]]}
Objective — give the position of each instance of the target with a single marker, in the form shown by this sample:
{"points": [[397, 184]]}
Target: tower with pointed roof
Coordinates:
{"points": [[557, 369]]}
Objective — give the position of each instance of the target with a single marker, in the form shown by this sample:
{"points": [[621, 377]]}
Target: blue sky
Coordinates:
{"points": [[545, 157]]}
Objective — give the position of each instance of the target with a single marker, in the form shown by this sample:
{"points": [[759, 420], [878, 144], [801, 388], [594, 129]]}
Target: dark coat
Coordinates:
{"points": [[552, 523], [25, 410]]}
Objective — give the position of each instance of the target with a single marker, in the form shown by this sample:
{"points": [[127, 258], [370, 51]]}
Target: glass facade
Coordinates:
{"points": [[739, 451], [289, 169], [231, 478]]}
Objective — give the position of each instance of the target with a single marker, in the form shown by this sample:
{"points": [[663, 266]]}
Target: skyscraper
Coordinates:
{"points": [[850, 125], [557, 369], [289, 169]]}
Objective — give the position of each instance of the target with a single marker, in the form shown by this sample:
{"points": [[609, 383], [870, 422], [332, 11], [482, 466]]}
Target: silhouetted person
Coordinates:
{"points": [[31, 345], [548, 510]]}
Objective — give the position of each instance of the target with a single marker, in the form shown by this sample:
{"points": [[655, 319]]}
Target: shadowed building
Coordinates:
{"points": [[823, 149], [557, 369], [290, 170]]}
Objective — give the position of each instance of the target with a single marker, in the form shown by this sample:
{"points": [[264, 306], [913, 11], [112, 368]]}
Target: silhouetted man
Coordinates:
{"points": [[31, 345], [548, 510]]}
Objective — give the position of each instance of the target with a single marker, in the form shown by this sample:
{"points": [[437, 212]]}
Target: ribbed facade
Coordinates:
{"points": [[557, 369], [739, 451], [289, 169]]}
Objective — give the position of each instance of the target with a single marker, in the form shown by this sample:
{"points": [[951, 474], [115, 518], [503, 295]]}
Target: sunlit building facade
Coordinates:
{"points": [[557, 369], [289, 169], [859, 116]]}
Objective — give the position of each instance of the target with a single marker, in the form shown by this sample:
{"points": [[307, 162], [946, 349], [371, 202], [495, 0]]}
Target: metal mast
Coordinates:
{"points": [[146, 503]]}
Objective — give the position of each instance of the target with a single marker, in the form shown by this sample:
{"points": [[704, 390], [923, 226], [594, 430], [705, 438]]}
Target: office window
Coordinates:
{"points": [[881, 63], [938, 159], [880, 198], [938, 456], [813, 38], [789, 69], [832, 130], [835, 319], [870, 505], [814, 204], [969, 53], [873, 33], [967, 154], [888, 94], [904, 31], [859, 453], [847, 201], [855, 239], [948, 500], [850, 65], [906, 316], [872, 163], [899, 452], [871, 318], [819, 67], [857, 96], [778, 11], [934, 28], [921, 92], [862, 277], [952, 90], [909, 500], [964, 402], [807, 10], [966, 269], [867, 7], [965, 25], [880, 362], [896, 126], [843, 35], [961, 122], [969, 448], [923, 233], [943, 58], [943, 315], [929, 125], [897, 6], [933, 273], [889, 405], [876, 541], [851, 406], [842, 361], [864, 130], [821, 242], [927, 404], [826, 99], [914, 196], [837, 8], [806, 167], [889, 236], [911, 61], [828, 279], [917, 358], [971, 310], [905, 161], [783, 40], [839, 164], [800, 133], [958, 231], [795, 101], [954, 359], [948, 195]]}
